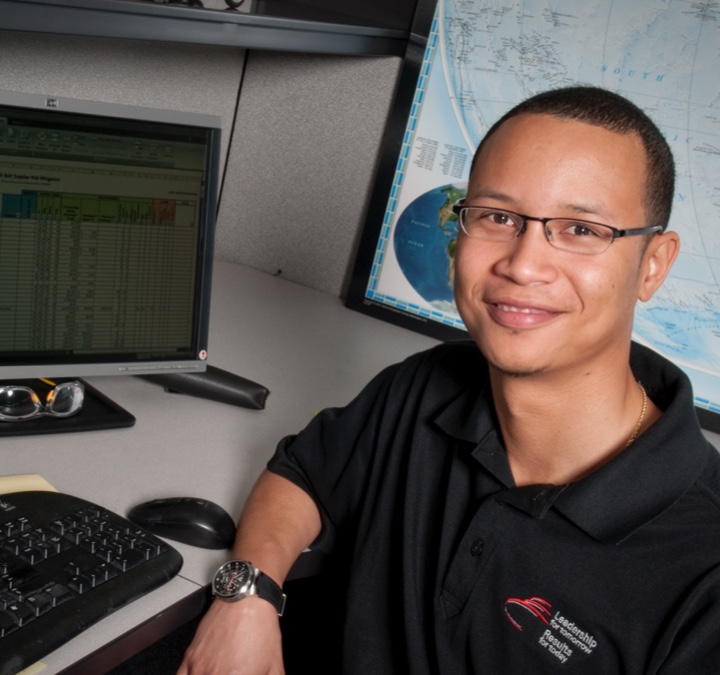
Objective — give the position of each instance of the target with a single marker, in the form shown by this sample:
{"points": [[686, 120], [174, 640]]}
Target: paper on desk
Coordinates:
{"points": [[23, 483]]}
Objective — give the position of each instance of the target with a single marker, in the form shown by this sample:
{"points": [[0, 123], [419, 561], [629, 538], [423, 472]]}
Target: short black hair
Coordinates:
{"points": [[606, 109]]}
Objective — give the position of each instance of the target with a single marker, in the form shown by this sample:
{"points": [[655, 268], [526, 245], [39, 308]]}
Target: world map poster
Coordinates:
{"points": [[482, 58]]}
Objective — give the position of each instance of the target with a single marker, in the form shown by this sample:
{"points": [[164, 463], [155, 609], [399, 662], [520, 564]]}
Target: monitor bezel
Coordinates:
{"points": [[97, 365]]}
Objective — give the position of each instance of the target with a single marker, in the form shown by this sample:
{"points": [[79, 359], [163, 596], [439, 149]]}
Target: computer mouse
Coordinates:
{"points": [[189, 520]]}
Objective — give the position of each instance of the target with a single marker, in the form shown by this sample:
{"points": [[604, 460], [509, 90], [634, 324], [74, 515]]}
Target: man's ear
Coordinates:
{"points": [[659, 257]]}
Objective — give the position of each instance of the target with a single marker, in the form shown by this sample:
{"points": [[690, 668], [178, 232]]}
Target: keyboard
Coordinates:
{"points": [[66, 563]]}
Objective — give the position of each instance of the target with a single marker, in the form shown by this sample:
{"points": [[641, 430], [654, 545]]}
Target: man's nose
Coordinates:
{"points": [[529, 257]]}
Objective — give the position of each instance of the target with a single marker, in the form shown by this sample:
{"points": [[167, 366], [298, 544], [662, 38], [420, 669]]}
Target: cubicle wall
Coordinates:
{"points": [[306, 143], [301, 134]]}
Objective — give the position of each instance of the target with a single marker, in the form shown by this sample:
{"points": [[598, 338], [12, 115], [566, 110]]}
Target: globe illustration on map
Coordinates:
{"points": [[424, 241]]}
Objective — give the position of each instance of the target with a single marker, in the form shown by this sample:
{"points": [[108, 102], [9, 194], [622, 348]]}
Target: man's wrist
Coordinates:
{"points": [[240, 579]]}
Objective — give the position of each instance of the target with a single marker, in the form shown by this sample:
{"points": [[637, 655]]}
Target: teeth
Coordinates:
{"points": [[518, 310]]}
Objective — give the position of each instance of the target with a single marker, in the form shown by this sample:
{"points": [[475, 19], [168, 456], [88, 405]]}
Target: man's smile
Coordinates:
{"points": [[520, 315], [521, 310]]}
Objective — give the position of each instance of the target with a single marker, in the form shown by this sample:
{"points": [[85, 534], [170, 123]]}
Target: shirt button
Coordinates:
{"points": [[477, 548]]}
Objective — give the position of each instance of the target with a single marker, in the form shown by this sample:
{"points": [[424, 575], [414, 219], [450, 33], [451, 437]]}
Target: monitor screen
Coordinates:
{"points": [[107, 217]]}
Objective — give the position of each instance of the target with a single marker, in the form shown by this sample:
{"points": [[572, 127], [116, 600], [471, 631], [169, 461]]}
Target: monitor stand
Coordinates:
{"points": [[98, 412], [215, 384]]}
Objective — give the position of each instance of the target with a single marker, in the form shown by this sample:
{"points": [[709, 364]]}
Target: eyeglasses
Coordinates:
{"points": [[19, 403], [566, 234]]}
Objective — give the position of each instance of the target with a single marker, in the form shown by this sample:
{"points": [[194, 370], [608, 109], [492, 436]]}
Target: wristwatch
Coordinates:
{"points": [[238, 579]]}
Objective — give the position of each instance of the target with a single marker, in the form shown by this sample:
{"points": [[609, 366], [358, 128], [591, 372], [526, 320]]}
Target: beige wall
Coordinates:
{"points": [[306, 141]]}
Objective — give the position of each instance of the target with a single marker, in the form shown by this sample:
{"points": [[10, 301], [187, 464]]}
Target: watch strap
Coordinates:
{"points": [[268, 590]]}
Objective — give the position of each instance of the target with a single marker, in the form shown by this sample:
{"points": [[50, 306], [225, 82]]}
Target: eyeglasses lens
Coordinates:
{"points": [[18, 402], [66, 399]]}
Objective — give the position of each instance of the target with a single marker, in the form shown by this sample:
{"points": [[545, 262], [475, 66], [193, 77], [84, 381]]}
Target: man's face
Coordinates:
{"points": [[530, 307]]}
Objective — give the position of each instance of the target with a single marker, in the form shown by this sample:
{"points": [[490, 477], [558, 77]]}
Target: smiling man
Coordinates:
{"points": [[540, 499], [550, 302]]}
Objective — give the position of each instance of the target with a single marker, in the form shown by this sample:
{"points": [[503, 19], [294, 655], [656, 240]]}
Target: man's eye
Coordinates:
{"points": [[497, 218], [582, 230]]}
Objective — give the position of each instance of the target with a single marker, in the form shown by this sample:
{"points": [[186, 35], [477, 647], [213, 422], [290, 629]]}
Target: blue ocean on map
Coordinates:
{"points": [[423, 243]]}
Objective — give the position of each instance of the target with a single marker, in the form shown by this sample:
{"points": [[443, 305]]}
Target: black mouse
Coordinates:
{"points": [[197, 522]]}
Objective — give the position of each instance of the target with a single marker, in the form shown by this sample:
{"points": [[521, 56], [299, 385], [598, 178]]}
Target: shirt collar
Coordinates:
{"points": [[655, 471], [625, 493]]}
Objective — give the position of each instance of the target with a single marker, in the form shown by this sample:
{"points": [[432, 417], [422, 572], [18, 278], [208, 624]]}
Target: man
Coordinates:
{"points": [[542, 499]]}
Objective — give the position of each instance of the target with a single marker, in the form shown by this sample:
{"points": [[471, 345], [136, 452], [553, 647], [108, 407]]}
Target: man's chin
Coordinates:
{"points": [[515, 362]]}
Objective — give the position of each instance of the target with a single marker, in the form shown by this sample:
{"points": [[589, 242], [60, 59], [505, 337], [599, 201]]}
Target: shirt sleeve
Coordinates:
{"points": [[346, 456], [332, 459]]}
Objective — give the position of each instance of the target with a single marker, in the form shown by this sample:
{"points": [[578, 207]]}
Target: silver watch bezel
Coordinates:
{"points": [[254, 582], [247, 588]]}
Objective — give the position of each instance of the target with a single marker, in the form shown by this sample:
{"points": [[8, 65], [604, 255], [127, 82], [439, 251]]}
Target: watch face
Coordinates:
{"points": [[232, 579]]}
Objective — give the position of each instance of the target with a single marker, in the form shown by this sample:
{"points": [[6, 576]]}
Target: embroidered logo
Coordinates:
{"points": [[535, 606], [556, 633]]}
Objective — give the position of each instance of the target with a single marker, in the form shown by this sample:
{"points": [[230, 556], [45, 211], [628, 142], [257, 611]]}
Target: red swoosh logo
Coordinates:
{"points": [[535, 606]]}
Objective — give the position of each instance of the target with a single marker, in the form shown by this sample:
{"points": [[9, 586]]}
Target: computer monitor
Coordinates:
{"points": [[107, 217]]}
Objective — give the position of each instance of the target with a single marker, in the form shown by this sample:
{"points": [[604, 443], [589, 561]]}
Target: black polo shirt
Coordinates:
{"points": [[453, 569]]}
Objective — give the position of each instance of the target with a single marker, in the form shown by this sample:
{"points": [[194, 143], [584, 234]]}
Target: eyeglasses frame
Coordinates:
{"points": [[616, 233], [43, 409]]}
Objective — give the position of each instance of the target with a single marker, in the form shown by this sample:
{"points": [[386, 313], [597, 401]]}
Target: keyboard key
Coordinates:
{"points": [[102, 573], [7, 624], [21, 612], [149, 549], [32, 555], [8, 598], [81, 583], [40, 602], [128, 559], [58, 593]]}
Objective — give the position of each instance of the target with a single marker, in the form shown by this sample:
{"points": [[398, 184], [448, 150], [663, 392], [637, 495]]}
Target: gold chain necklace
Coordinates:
{"points": [[641, 419]]}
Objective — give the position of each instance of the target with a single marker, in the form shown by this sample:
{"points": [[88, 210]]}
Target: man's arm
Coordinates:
{"points": [[278, 522]]}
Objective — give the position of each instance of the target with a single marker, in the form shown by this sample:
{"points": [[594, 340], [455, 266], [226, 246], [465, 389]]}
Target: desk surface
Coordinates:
{"points": [[305, 346]]}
